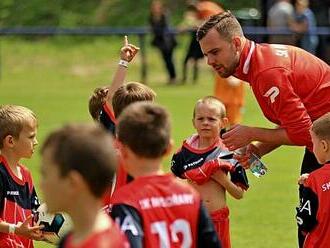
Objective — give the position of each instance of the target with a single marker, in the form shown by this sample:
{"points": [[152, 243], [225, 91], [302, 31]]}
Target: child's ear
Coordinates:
{"points": [[325, 145], [193, 122], [169, 147], [8, 141], [224, 122]]}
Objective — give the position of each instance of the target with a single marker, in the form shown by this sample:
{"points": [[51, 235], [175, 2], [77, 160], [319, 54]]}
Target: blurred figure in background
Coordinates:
{"points": [[279, 16], [162, 39], [196, 13], [231, 93], [304, 25]]}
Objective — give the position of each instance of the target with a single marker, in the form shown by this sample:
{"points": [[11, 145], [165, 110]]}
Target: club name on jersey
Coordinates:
{"points": [[168, 201], [326, 186], [12, 192]]}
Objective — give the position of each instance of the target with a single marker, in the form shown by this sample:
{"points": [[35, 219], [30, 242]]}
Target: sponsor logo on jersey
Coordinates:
{"points": [[186, 166], [272, 93], [12, 192]]}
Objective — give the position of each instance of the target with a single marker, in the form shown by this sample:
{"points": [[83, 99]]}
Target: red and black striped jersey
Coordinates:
{"points": [[18, 199]]}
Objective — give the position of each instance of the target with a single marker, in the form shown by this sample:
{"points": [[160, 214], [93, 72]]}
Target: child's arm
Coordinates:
{"points": [[23, 229], [102, 95], [235, 191], [127, 53]]}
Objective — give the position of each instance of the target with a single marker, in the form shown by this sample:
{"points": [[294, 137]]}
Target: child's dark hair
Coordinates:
{"points": [[87, 149], [145, 128], [129, 93]]}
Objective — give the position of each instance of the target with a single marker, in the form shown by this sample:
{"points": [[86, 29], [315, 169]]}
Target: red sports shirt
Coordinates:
{"points": [[291, 86], [160, 211]]}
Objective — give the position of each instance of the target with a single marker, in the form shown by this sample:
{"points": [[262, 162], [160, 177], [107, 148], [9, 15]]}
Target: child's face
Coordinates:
{"points": [[27, 140], [54, 187], [320, 148], [207, 121]]}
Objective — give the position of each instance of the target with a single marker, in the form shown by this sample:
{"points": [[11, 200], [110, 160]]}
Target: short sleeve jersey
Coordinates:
{"points": [[168, 210], [18, 199]]}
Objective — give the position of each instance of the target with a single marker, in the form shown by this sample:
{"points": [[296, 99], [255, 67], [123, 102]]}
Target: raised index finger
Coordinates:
{"points": [[125, 40]]}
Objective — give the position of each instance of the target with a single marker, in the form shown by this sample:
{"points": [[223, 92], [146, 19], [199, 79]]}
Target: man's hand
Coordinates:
{"points": [[128, 51], [237, 137], [244, 154]]}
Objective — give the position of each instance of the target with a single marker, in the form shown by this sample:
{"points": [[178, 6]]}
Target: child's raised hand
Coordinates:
{"points": [[128, 51], [302, 179], [31, 232]]}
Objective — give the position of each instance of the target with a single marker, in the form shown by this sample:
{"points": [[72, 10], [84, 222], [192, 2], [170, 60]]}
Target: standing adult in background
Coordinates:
{"points": [[279, 16], [162, 39], [291, 86], [231, 93], [304, 25]]}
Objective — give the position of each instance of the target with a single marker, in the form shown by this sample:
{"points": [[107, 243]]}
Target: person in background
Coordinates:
{"points": [[162, 39], [279, 16], [304, 24]]}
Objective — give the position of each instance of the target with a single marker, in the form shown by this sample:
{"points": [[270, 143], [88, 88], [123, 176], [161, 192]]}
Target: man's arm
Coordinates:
{"points": [[130, 223], [239, 136], [207, 236]]}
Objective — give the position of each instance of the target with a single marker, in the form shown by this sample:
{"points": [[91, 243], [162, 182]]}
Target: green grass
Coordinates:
{"points": [[54, 77]]}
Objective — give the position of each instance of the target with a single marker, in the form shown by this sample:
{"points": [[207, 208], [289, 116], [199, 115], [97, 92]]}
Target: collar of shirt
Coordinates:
{"points": [[242, 71]]}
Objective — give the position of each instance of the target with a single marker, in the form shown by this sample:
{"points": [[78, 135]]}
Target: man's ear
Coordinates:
{"points": [[237, 42], [122, 148]]}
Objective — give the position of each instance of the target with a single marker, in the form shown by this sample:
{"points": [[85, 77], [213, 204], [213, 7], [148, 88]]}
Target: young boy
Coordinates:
{"points": [[313, 216], [156, 210], [108, 102], [78, 161], [18, 199], [199, 161]]}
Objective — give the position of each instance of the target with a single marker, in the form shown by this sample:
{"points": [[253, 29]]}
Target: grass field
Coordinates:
{"points": [[54, 77]]}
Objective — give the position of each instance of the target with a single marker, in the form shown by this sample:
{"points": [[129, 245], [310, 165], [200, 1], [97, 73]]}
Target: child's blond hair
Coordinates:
{"points": [[12, 120]]}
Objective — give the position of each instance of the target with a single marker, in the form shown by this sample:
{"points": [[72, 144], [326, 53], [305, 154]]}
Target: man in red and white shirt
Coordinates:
{"points": [[291, 86]]}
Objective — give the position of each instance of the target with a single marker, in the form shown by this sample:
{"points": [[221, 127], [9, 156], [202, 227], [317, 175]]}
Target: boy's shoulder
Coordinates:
{"points": [[151, 187], [319, 176]]}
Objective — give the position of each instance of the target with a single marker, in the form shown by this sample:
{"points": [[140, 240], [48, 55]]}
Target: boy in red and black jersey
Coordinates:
{"points": [[18, 198], [156, 210], [74, 179], [108, 102], [205, 162], [313, 216]]}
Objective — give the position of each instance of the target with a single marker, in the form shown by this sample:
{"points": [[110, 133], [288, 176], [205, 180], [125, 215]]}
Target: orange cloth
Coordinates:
{"points": [[230, 91]]}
